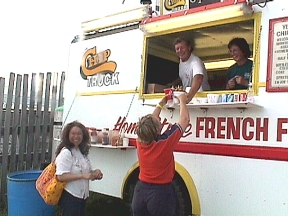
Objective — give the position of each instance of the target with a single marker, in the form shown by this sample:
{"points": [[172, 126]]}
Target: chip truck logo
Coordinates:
{"points": [[94, 63], [171, 4]]}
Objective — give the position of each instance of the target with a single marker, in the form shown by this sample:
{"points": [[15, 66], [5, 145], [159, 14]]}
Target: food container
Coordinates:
{"points": [[177, 93], [169, 94], [105, 136], [114, 137], [224, 98], [120, 141], [236, 97], [125, 141], [243, 96], [93, 135], [230, 97], [213, 98], [99, 136]]}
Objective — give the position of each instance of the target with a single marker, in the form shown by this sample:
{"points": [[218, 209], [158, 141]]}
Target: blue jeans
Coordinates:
{"points": [[71, 206], [154, 200]]}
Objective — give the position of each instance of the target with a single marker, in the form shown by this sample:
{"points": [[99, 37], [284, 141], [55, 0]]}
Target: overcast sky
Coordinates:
{"points": [[35, 35]]}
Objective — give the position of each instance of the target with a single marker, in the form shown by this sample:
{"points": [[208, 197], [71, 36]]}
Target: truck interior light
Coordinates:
{"points": [[220, 64], [197, 18], [118, 19]]}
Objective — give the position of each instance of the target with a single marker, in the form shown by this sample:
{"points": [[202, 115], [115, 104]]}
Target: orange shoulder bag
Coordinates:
{"points": [[48, 186]]}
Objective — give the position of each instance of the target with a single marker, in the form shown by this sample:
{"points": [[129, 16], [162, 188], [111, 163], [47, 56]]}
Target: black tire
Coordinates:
{"points": [[184, 207], [183, 199], [129, 189]]}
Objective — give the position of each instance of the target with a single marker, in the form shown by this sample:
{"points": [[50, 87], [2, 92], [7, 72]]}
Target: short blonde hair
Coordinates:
{"points": [[189, 43], [148, 129]]}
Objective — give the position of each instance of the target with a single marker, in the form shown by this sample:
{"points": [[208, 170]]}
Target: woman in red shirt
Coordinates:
{"points": [[154, 194]]}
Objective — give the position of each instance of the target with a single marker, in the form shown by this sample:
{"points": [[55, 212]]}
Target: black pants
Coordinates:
{"points": [[71, 206], [154, 200]]}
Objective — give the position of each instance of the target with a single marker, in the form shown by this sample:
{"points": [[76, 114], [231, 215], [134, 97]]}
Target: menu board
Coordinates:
{"points": [[277, 73]]}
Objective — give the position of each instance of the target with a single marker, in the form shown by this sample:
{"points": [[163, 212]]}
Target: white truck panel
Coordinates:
{"points": [[233, 184]]}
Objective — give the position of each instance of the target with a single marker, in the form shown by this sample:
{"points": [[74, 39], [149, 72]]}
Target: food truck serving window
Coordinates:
{"points": [[210, 35]]}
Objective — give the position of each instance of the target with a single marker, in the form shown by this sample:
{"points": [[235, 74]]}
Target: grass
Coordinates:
{"points": [[97, 204], [102, 205]]}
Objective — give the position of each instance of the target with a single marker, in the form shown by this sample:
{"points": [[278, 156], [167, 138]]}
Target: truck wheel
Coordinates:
{"points": [[183, 199], [129, 196], [129, 189]]}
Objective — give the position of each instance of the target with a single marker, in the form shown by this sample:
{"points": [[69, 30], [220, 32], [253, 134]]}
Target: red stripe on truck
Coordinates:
{"points": [[231, 150]]}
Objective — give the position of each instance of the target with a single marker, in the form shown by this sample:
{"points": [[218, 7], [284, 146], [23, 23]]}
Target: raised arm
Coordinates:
{"points": [[184, 113], [159, 107]]}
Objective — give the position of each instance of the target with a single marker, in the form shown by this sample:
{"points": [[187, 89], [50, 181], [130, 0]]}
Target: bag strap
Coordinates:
{"points": [[53, 162]]}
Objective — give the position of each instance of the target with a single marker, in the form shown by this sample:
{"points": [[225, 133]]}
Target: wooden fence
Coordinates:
{"points": [[27, 116]]}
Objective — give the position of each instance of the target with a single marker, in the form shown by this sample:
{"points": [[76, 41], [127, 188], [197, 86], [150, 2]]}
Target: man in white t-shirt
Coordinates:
{"points": [[192, 71]]}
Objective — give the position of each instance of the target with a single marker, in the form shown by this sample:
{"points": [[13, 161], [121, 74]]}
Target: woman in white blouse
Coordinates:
{"points": [[74, 167]]}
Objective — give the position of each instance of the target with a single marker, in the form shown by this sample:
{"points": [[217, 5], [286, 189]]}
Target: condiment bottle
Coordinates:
{"points": [[99, 136], [105, 136], [93, 135], [89, 131], [120, 140], [114, 137]]}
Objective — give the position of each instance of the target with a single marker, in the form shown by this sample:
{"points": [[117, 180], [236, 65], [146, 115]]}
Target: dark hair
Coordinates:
{"points": [[188, 42], [148, 129], [65, 142], [242, 44]]}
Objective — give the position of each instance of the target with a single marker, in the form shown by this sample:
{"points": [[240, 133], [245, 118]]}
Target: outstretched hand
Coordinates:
{"points": [[163, 101]]}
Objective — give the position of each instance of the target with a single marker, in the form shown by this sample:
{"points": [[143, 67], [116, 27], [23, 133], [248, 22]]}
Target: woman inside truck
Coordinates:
{"points": [[239, 74]]}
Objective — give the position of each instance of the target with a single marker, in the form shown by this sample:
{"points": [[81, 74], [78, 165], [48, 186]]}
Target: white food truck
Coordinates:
{"points": [[233, 158]]}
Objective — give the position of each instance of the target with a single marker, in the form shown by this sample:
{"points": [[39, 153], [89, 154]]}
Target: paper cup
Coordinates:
{"points": [[169, 94], [243, 96], [125, 141], [177, 93]]}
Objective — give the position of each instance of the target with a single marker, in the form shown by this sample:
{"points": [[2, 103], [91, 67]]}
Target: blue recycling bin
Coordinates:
{"points": [[23, 198]]}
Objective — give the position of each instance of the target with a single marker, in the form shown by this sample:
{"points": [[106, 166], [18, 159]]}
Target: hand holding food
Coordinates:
{"points": [[182, 97], [97, 174], [231, 83], [179, 88], [240, 80]]}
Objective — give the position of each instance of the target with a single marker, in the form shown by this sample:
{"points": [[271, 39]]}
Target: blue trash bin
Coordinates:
{"points": [[23, 198]]}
